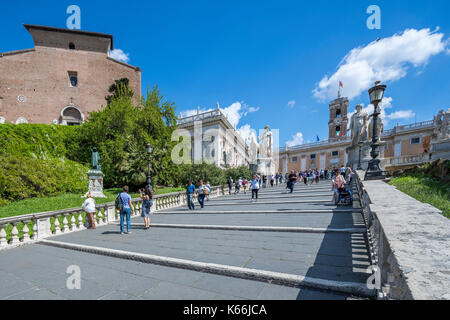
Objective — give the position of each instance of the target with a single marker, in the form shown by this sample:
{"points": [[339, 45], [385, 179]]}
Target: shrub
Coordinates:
{"points": [[22, 177]]}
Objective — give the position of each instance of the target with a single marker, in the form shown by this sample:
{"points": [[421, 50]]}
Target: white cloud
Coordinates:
{"points": [[291, 104], [295, 140], [386, 60], [246, 131], [385, 105], [118, 54]]}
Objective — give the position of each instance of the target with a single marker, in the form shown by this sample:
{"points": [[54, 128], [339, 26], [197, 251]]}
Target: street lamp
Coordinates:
{"points": [[149, 151], [374, 170]]}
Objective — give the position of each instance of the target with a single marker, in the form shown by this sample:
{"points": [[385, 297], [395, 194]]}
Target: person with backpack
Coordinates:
{"points": [[89, 208], [146, 196], [123, 203]]}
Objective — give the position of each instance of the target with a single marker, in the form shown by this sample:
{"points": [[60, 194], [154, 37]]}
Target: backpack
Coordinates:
{"points": [[118, 203]]}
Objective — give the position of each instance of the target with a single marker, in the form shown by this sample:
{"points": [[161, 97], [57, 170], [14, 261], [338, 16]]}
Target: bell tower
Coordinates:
{"points": [[338, 119]]}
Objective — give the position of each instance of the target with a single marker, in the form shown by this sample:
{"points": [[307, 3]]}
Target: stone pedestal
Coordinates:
{"points": [[266, 166], [96, 183], [353, 155]]}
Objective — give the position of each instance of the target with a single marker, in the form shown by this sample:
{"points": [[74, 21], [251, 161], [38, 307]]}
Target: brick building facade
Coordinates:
{"points": [[64, 77]]}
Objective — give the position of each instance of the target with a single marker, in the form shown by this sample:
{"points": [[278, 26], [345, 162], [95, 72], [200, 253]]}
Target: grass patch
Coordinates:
{"points": [[425, 189], [64, 201]]}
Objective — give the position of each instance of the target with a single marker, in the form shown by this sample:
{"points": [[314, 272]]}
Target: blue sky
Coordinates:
{"points": [[257, 56]]}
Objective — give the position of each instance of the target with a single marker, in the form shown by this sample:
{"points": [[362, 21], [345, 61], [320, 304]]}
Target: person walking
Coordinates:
{"points": [[230, 185], [146, 195], [127, 208], [89, 207], [244, 185], [208, 186], [189, 194], [338, 184], [237, 187], [292, 179], [256, 181], [272, 180], [201, 194]]}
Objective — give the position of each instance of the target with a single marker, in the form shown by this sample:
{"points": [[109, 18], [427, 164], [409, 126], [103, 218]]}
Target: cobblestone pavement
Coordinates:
{"points": [[331, 251]]}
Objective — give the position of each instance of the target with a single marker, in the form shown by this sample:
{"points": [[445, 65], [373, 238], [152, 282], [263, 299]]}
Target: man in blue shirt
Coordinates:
{"points": [[190, 192], [127, 207]]}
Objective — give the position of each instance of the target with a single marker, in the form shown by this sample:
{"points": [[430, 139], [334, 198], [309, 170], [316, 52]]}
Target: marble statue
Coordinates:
{"points": [[442, 125], [358, 125], [266, 147]]}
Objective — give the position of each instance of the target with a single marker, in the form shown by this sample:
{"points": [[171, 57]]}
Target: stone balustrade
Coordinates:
{"points": [[18, 230], [409, 242]]}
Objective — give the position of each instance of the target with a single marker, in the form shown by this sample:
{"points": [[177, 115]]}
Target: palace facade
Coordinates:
{"points": [[400, 146], [214, 139], [64, 77]]}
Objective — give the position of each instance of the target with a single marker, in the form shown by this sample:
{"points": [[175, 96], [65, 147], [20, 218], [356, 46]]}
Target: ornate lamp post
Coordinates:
{"points": [[374, 170], [149, 151]]}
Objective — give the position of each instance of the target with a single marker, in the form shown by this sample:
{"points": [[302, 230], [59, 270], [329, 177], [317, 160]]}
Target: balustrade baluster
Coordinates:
{"points": [[65, 227], [80, 220], [25, 231], [3, 241], [73, 221], [57, 228], [35, 229], [100, 216], [15, 233]]}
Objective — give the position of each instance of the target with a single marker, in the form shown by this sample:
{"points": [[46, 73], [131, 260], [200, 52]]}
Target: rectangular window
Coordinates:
{"points": [[415, 140], [335, 153], [294, 159], [73, 79], [312, 156]]}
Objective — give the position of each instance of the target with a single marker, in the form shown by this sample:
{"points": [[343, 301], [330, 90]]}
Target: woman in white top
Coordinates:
{"points": [[89, 208], [255, 187]]}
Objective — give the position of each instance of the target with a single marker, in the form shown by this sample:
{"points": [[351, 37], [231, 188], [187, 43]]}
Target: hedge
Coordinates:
{"points": [[22, 177], [39, 141]]}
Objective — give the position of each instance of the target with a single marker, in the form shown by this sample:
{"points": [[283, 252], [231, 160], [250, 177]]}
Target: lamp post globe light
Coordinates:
{"points": [[374, 170], [149, 149]]}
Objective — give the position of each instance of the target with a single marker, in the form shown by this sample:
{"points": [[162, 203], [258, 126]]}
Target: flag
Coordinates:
{"points": [[317, 137], [340, 84]]}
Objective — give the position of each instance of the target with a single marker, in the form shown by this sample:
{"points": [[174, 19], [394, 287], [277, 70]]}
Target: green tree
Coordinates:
{"points": [[121, 130]]}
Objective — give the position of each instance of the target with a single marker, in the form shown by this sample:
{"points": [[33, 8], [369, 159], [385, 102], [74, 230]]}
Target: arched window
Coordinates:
{"points": [[71, 116], [71, 46]]}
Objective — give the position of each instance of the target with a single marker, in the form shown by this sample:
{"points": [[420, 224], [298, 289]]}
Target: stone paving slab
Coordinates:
{"points": [[110, 278], [264, 250], [316, 220]]}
